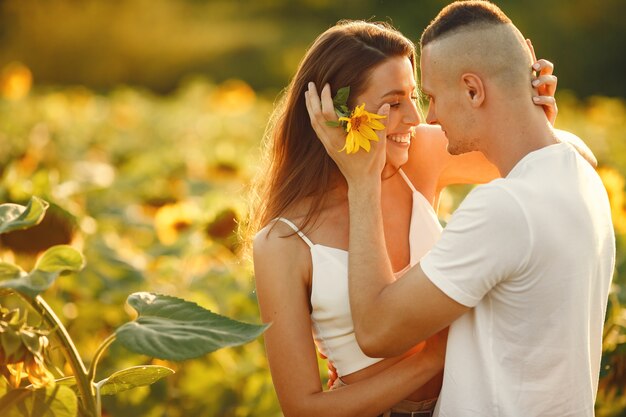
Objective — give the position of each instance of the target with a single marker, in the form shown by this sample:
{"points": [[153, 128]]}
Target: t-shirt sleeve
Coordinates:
{"points": [[486, 241]]}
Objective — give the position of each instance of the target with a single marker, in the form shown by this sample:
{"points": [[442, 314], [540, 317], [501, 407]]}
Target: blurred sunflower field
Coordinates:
{"points": [[150, 189], [146, 165]]}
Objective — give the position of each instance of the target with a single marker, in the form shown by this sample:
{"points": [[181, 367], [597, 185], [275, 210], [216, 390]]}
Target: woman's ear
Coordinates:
{"points": [[474, 89]]}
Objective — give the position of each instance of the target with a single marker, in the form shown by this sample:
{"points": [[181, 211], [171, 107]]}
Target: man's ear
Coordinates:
{"points": [[474, 89]]}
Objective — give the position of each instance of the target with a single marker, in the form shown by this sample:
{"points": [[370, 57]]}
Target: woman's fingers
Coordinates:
{"points": [[545, 84], [545, 101], [328, 109], [543, 67], [312, 115], [321, 110], [549, 106], [383, 111], [314, 107]]}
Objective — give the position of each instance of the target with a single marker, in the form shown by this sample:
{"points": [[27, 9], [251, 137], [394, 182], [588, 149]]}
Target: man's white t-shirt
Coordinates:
{"points": [[533, 255]]}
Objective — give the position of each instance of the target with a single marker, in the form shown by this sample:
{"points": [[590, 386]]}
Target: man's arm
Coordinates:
{"points": [[389, 315]]}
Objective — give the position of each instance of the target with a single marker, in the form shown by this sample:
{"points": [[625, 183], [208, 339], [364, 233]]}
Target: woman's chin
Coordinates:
{"points": [[397, 153]]}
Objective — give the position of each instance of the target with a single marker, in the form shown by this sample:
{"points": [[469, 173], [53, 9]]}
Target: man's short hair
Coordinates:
{"points": [[460, 14]]}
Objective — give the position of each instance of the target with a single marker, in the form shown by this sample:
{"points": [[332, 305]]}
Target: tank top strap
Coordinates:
{"points": [[295, 229], [407, 180]]}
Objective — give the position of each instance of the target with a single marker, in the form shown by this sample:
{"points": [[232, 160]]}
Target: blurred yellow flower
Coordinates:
{"points": [[32, 368], [614, 183], [234, 96], [15, 81], [173, 219], [22, 349], [360, 127]]}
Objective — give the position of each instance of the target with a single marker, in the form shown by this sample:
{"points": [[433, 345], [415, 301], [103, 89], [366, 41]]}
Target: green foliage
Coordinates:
{"points": [[174, 329], [340, 104], [136, 376], [16, 217], [52, 401], [167, 327], [54, 262]]}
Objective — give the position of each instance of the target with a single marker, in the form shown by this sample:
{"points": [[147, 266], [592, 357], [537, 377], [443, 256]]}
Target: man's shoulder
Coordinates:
{"points": [[497, 193], [496, 203]]}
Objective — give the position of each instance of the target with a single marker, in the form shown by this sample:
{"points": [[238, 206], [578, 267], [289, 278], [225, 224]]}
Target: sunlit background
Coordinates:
{"points": [[141, 121]]}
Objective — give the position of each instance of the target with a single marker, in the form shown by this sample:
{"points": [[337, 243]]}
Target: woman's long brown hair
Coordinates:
{"points": [[296, 164]]}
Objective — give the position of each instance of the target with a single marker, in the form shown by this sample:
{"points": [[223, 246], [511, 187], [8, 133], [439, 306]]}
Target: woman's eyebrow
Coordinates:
{"points": [[396, 92], [393, 93]]}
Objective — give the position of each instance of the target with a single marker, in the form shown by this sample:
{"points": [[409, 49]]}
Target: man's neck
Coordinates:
{"points": [[515, 137]]}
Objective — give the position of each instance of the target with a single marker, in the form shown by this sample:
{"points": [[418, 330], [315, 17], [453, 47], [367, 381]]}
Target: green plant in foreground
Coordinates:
{"points": [[166, 327]]}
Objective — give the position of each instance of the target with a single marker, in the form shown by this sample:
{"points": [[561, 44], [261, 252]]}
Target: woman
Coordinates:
{"points": [[302, 221]]}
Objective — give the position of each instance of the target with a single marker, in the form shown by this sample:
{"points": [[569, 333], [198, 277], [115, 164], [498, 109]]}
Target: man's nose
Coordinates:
{"points": [[431, 117]]}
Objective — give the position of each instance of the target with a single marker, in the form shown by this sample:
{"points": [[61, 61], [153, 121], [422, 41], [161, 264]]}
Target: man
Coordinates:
{"points": [[522, 271]]}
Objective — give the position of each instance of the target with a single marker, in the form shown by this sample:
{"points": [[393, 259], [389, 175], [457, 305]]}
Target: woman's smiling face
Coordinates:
{"points": [[393, 82]]}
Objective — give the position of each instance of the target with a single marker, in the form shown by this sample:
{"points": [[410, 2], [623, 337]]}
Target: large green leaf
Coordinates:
{"points": [[16, 217], [136, 376], [174, 329], [53, 401], [55, 261]]}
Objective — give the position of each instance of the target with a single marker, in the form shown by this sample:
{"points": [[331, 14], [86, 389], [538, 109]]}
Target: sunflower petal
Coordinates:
{"points": [[349, 142], [374, 116], [376, 125], [365, 144], [369, 134]]}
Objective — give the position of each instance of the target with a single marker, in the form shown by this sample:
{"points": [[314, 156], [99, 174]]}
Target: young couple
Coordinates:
{"points": [[520, 274]]}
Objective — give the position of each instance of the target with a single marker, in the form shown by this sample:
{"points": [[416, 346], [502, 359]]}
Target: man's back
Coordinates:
{"points": [[533, 253]]}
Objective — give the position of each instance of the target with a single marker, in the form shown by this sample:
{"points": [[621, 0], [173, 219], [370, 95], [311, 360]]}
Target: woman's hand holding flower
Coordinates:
{"points": [[356, 167]]}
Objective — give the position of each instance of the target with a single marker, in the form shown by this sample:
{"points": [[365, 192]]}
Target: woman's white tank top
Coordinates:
{"points": [[331, 319]]}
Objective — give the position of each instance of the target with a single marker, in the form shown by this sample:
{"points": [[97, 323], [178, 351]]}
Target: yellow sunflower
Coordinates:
{"points": [[361, 126], [172, 220]]}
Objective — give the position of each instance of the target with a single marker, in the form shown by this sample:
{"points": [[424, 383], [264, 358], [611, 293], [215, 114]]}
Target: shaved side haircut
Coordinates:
{"points": [[476, 36], [461, 14]]}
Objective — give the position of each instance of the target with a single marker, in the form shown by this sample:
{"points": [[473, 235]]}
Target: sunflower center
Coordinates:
{"points": [[356, 122]]}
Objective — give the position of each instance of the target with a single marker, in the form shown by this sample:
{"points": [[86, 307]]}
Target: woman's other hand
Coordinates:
{"points": [[545, 83]]}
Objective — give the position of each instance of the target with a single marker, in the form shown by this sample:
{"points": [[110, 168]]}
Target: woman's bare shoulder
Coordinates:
{"points": [[277, 247], [274, 238]]}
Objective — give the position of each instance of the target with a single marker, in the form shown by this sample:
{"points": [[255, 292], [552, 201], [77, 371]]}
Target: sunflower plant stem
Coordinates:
{"points": [[70, 352], [91, 375]]}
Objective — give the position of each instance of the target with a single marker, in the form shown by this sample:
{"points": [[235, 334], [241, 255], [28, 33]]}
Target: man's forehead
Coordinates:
{"points": [[425, 68]]}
